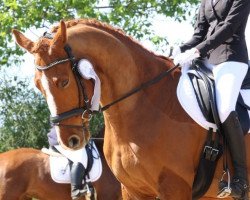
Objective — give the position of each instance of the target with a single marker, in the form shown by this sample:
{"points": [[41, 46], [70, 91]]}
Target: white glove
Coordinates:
{"points": [[186, 58], [176, 51]]}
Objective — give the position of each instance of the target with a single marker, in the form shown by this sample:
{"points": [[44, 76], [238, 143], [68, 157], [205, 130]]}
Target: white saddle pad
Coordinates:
{"points": [[188, 101], [59, 166]]}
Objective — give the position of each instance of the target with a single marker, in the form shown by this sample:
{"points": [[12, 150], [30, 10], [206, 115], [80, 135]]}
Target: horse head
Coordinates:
{"points": [[58, 80]]}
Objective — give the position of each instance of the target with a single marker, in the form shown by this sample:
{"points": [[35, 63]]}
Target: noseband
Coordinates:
{"points": [[85, 110]]}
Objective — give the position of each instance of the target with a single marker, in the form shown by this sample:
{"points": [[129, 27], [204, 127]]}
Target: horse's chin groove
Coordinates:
{"points": [[74, 142]]}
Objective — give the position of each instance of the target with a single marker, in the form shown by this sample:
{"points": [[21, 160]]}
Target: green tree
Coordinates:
{"points": [[23, 116]]}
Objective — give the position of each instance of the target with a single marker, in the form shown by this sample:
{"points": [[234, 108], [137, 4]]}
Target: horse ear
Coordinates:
{"points": [[60, 37], [23, 41]]}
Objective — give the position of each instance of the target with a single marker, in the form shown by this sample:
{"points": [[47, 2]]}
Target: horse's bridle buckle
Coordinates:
{"points": [[86, 115], [210, 153]]}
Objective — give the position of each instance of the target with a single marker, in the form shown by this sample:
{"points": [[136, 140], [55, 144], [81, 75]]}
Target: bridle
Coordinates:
{"points": [[85, 110]]}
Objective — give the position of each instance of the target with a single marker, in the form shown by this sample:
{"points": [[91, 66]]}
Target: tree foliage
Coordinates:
{"points": [[23, 116]]}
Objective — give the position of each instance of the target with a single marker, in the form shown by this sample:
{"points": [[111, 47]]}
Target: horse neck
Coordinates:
{"points": [[112, 62], [121, 65]]}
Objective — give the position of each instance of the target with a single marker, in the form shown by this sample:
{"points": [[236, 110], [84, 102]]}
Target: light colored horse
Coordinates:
{"points": [[151, 144]]}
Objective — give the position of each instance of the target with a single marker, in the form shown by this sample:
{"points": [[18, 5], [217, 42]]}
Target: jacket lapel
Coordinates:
{"points": [[214, 2]]}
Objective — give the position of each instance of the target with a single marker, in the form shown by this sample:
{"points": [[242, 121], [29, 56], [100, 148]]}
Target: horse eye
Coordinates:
{"points": [[61, 82], [64, 83]]}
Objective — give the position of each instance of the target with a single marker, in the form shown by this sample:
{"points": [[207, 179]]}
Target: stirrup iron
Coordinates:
{"points": [[90, 193], [225, 191]]}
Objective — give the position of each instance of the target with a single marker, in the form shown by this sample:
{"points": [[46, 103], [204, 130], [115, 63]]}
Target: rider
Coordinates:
{"points": [[76, 170], [219, 36]]}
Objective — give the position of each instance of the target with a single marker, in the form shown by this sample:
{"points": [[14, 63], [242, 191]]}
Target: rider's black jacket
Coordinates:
{"points": [[220, 31]]}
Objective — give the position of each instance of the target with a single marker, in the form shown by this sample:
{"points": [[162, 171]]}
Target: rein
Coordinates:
{"points": [[141, 87], [55, 120]]}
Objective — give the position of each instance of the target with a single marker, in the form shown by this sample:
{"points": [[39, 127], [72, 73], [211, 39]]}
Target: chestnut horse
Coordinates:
{"points": [[25, 173], [151, 144]]}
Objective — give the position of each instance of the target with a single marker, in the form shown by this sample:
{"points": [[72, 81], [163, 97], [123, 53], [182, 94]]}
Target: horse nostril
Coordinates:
{"points": [[74, 142]]}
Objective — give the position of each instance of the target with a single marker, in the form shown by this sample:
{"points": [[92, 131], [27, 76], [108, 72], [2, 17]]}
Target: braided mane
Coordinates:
{"points": [[93, 23], [105, 27]]}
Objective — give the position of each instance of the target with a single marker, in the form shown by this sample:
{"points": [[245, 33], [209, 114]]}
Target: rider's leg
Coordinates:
{"points": [[77, 171], [228, 80], [235, 139]]}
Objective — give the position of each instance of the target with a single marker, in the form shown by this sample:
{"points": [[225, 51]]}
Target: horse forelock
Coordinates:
{"points": [[42, 45], [45, 50]]}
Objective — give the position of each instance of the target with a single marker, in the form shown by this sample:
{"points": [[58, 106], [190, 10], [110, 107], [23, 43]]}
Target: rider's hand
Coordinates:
{"points": [[176, 51], [186, 58]]}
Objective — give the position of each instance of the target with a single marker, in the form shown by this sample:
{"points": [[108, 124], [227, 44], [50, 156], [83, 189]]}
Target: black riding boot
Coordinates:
{"points": [[235, 140], [77, 171]]}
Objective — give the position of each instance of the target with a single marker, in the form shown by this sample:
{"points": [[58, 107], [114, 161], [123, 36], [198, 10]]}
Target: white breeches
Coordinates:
{"points": [[228, 79]]}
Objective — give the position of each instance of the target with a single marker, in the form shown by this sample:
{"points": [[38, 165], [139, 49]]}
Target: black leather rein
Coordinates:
{"points": [[141, 87], [82, 91]]}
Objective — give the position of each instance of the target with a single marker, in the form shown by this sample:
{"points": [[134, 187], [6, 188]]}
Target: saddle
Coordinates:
{"points": [[203, 84], [89, 153], [60, 160]]}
